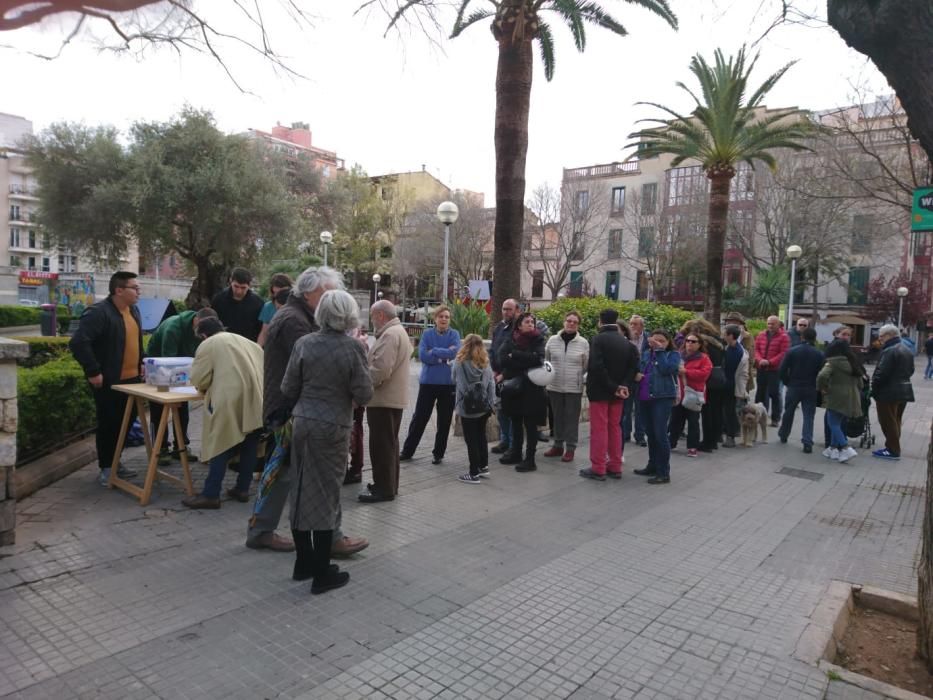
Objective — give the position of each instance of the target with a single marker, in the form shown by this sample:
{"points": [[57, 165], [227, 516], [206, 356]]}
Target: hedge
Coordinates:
{"points": [[655, 315], [43, 349], [54, 401], [13, 315]]}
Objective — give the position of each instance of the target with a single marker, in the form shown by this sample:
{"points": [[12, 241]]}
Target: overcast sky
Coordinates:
{"points": [[392, 104]]}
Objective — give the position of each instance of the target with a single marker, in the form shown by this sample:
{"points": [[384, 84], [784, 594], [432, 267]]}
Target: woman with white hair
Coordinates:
{"points": [[326, 376]]}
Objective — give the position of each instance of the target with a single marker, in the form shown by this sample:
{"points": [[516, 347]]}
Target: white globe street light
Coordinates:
{"points": [[793, 252], [326, 238], [901, 293], [447, 213]]}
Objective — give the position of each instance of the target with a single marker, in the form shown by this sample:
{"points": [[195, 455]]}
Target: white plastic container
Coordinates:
{"points": [[165, 372]]}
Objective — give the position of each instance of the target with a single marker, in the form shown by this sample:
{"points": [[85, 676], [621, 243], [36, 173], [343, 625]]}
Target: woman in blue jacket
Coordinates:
{"points": [[437, 350], [657, 388]]}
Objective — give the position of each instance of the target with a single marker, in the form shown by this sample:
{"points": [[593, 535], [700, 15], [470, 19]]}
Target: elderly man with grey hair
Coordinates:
{"points": [[291, 322], [389, 358], [326, 376], [891, 389]]}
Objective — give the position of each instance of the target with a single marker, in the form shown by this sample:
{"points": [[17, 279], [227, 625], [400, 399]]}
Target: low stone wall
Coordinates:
{"points": [[10, 351]]}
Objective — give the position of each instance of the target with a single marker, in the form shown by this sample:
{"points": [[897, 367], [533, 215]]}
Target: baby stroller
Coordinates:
{"points": [[861, 427]]}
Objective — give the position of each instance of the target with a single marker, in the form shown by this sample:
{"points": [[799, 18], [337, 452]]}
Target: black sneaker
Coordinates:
{"points": [[590, 474], [659, 480], [526, 466], [510, 458], [499, 449], [322, 584], [484, 472], [808, 449], [405, 458], [469, 478], [642, 443], [647, 471]]}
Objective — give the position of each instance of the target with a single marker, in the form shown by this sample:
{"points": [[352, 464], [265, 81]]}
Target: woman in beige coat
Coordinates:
{"points": [[228, 371]]}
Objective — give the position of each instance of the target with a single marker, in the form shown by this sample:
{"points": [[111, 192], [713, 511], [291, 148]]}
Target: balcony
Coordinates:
{"points": [[606, 170], [24, 192], [24, 218]]}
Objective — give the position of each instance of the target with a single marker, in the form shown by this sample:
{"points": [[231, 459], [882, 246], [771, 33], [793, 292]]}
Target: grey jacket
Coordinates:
{"points": [[465, 374], [326, 374], [291, 322]]}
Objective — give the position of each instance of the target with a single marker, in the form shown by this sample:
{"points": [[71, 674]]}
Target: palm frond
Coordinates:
{"points": [[460, 24], [570, 11], [546, 47], [658, 7], [592, 12]]}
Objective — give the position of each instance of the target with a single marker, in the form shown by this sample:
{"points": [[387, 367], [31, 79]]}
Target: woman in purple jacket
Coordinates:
{"points": [[437, 350]]}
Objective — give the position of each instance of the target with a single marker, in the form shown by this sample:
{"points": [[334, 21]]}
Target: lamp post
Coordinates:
{"points": [[793, 252], [901, 293], [447, 213], [326, 239], [376, 279]]}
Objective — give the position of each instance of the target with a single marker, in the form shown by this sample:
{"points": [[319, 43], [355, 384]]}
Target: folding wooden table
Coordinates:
{"points": [[139, 394]]}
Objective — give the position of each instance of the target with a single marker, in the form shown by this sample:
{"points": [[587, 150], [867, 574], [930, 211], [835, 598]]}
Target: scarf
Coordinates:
{"points": [[523, 341]]}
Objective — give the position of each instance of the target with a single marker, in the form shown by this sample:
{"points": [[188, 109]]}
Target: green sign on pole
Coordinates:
{"points": [[921, 216]]}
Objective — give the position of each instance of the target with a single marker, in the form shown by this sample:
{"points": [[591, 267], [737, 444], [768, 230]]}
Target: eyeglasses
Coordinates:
{"points": [[692, 340], [804, 325], [134, 287], [571, 321]]}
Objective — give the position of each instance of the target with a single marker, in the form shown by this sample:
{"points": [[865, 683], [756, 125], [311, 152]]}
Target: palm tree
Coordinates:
{"points": [[516, 25], [724, 129]]}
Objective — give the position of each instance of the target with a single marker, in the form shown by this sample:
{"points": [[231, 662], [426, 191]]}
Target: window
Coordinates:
{"points": [[33, 239], [46, 264], [14, 238], [687, 186], [537, 284], [67, 263], [743, 184], [576, 284], [645, 241], [641, 284], [14, 212], [861, 233], [46, 243], [582, 202], [618, 200], [858, 283], [649, 197], [576, 247], [14, 261], [615, 243], [31, 262], [612, 284]]}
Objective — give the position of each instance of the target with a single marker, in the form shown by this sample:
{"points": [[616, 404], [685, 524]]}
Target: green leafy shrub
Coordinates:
{"points": [[655, 315], [755, 325], [179, 305], [43, 349], [12, 315], [469, 318], [54, 401]]}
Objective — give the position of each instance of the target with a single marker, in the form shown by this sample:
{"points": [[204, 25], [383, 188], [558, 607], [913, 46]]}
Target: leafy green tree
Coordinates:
{"points": [[516, 25], [727, 126], [182, 185]]}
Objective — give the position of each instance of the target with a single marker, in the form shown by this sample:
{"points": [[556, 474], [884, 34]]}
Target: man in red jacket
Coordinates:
{"points": [[770, 347]]}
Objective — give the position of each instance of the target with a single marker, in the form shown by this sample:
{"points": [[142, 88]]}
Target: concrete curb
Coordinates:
{"points": [[47, 470]]}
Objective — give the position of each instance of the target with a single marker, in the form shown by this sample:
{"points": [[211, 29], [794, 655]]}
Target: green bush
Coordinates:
{"points": [[43, 349], [12, 315], [655, 315], [54, 401], [755, 326], [469, 318], [179, 305]]}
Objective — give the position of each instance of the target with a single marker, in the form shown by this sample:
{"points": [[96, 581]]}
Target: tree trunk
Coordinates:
{"points": [[720, 183], [925, 573], [209, 281], [513, 96], [897, 35]]}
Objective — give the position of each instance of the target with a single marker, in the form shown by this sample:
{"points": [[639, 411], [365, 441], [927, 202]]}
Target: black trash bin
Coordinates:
{"points": [[48, 319]]}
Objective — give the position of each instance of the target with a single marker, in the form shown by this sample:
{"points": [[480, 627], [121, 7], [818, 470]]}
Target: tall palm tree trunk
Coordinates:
{"points": [[513, 97], [720, 183]]}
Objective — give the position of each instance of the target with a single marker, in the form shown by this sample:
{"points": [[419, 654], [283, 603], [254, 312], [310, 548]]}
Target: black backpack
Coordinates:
{"points": [[475, 399]]}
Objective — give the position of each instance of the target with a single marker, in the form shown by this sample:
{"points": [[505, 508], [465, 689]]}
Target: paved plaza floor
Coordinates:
{"points": [[540, 585]]}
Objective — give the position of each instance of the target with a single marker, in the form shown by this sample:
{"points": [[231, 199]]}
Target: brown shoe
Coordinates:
{"points": [[241, 496], [347, 546], [568, 456], [201, 503], [554, 452], [270, 540]]}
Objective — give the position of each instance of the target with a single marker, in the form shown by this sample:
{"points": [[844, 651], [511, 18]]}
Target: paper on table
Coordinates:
{"points": [[183, 390]]}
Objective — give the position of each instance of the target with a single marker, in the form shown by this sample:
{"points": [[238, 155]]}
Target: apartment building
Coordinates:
{"points": [[294, 142], [648, 223]]}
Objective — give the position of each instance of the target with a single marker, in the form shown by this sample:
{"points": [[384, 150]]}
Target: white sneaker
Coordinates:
{"points": [[834, 454], [847, 454], [828, 453]]}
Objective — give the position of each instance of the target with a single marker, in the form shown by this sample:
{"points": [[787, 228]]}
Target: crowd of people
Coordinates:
{"points": [[287, 383]]}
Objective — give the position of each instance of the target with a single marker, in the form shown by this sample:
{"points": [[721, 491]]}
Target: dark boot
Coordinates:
{"points": [[326, 577], [528, 464], [511, 457], [304, 555]]}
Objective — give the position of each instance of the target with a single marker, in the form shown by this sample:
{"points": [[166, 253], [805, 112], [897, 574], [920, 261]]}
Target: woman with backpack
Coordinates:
{"points": [[475, 393]]}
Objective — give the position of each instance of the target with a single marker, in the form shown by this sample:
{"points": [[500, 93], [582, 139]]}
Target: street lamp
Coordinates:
{"points": [[793, 252], [447, 213], [901, 293], [376, 279], [326, 239]]}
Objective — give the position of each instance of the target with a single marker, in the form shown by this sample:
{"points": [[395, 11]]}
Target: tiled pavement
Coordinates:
{"points": [[540, 585]]}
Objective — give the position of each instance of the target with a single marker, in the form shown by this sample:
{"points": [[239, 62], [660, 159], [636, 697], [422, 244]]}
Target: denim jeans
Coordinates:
{"points": [[928, 372], [632, 411], [217, 467], [505, 428], [657, 414], [806, 397], [837, 431]]}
